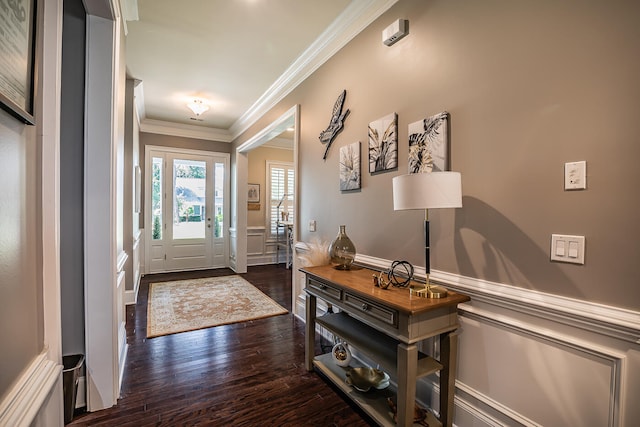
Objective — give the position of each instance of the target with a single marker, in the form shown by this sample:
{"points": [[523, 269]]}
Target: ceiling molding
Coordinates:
{"points": [[129, 10], [138, 99], [183, 130], [107, 9], [355, 18]]}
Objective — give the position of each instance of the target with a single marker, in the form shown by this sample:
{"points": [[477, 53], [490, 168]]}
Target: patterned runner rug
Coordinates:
{"points": [[187, 305]]}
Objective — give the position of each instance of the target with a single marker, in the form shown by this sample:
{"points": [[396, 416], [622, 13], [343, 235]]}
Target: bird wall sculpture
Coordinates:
{"points": [[336, 124]]}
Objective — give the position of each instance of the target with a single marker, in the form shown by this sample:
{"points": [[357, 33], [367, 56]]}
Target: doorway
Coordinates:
{"points": [[290, 119], [186, 209]]}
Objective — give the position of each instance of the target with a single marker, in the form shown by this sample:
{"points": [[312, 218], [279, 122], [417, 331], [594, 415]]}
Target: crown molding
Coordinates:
{"points": [[183, 130], [355, 18]]}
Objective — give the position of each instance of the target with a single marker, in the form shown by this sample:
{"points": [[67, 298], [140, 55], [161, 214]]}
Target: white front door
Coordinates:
{"points": [[187, 211]]}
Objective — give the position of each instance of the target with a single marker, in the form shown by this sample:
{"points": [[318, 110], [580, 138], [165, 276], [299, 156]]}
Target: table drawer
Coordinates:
{"points": [[378, 312], [324, 290]]}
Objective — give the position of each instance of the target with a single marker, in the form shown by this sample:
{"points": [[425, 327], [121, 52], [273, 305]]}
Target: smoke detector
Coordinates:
{"points": [[395, 32]]}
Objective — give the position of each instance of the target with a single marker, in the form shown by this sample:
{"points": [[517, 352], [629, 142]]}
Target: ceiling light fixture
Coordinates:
{"points": [[198, 106]]}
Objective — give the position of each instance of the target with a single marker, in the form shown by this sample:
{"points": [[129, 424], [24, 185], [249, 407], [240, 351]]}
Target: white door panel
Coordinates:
{"points": [[186, 210]]}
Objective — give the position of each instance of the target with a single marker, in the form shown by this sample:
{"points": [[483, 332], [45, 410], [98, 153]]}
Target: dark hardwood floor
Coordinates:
{"points": [[245, 374]]}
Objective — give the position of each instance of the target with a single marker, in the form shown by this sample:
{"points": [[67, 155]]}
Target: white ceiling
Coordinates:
{"points": [[241, 56]]}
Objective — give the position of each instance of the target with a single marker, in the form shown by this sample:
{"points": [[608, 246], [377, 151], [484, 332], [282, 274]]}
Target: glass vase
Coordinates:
{"points": [[342, 251]]}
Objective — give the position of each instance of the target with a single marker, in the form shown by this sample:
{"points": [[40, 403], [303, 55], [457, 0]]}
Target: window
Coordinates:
{"points": [[280, 190], [156, 197]]}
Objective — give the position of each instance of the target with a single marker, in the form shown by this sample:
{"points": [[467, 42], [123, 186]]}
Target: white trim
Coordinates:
{"points": [[131, 295], [101, 300], [123, 350], [274, 129], [50, 16], [148, 170], [615, 359], [597, 332], [122, 260], [625, 324], [356, 17], [138, 100], [184, 130], [239, 213], [480, 414], [619, 322], [24, 401]]}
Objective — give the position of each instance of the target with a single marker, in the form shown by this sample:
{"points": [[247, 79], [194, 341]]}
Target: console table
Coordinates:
{"points": [[386, 325]]}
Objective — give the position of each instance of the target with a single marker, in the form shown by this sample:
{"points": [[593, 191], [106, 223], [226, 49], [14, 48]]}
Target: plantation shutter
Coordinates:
{"points": [[281, 181]]}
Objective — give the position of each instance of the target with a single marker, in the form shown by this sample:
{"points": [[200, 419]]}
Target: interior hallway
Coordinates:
{"points": [[245, 374]]}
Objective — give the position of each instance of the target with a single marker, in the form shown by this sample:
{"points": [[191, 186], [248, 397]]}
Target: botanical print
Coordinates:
{"points": [[350, 167], [429, 144], [383, 143]]}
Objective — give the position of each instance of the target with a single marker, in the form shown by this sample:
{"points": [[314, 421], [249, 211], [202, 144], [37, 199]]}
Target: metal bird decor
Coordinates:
{"points": [[335, 125]]}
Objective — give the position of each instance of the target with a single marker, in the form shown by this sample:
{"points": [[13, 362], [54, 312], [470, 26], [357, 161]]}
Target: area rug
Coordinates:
{"points": [[187, 305]]}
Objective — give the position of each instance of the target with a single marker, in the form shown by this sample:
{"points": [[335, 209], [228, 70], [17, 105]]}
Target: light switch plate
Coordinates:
{"points": [[575, 175], [565, 248]]}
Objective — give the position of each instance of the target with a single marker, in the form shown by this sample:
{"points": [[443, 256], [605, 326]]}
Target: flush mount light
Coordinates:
{"points": [[198, 106]]}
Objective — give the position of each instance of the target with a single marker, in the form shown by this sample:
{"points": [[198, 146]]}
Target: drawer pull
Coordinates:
{"points": [[323, 287], [365, 307]]}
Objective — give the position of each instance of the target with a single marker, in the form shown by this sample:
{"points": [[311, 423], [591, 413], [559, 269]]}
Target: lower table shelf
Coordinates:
{"points": [[374, 402], [374, 343]]}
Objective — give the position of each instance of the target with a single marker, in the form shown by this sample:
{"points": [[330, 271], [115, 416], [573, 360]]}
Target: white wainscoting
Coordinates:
{"points": [[233, 249], [121, 317], [36, 398], [260, 251], [131, 295], [532, 359]]}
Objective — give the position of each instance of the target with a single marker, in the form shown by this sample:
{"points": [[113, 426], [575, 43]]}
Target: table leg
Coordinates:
{"points": [[310, 331], [407, 372], [448, 357]]}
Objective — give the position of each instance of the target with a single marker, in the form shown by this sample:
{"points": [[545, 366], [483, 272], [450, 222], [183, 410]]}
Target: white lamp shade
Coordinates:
{"points": [[429, 190]]}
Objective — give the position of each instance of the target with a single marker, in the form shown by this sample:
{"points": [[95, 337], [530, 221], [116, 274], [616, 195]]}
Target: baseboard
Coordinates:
{"points": [[81, 395], [122, 357], [131, 295]]}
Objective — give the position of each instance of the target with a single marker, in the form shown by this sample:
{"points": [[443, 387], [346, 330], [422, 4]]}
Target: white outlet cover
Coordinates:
{"points": [[575, 175]]}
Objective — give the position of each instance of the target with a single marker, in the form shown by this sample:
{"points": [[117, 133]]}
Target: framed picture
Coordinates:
{"points": [[383, 144], [253, 195], [17, 52], [350, 167], [253, 206], [429, 144]]}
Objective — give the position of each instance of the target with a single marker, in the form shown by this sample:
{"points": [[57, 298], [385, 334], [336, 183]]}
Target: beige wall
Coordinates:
{"points": [[21, 327], [529, 86], [257, 175]]}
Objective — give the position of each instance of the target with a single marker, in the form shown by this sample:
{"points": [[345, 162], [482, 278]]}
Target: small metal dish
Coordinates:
{"points": [[365, 378]]}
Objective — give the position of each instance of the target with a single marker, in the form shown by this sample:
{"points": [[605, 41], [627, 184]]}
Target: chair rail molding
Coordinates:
{"points": [[26, 401]]}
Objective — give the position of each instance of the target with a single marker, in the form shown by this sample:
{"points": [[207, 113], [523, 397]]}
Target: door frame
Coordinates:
{"points": [[239, 235], [148, 227]]}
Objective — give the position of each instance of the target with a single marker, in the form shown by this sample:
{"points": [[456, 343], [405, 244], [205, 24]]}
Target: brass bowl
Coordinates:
{"points": [[364, 378]]}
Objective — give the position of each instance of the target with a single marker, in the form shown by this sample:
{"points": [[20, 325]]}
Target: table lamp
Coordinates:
{"points": [[430, 190]]}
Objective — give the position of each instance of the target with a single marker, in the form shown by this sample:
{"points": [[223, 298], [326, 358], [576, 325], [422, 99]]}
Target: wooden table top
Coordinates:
{"points": [[359, 280]]}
